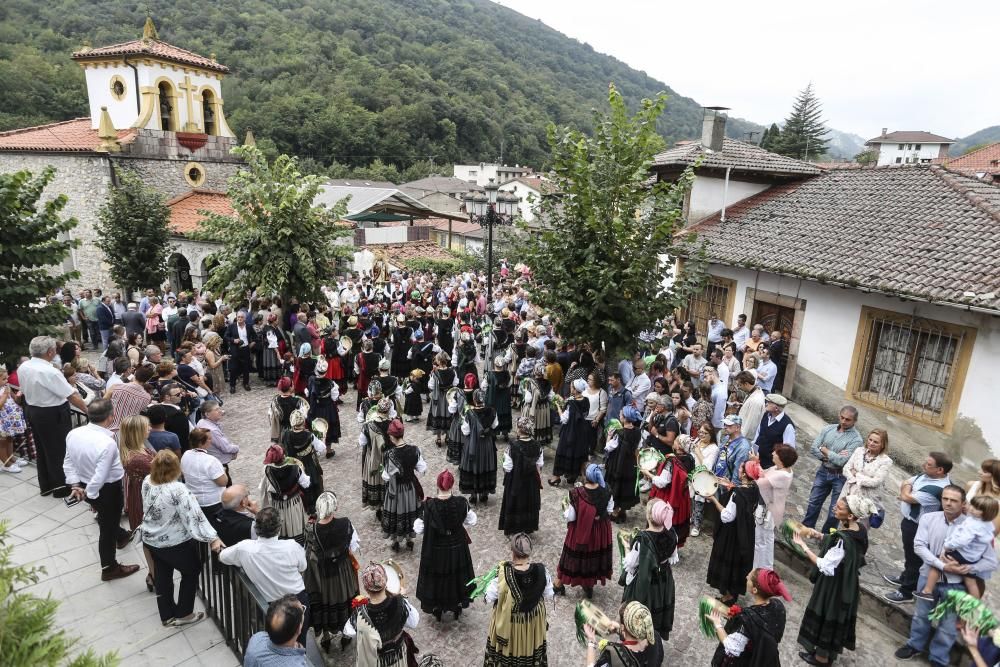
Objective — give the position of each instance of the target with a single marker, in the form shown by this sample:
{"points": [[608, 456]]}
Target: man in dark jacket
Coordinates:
{"points": [[134, 321], [105, 320], [242, 341], [177, 328], [235, 521]]}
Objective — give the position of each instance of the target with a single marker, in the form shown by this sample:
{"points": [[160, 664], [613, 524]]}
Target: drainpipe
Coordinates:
{"points": [[135, 72], [725, 194]]}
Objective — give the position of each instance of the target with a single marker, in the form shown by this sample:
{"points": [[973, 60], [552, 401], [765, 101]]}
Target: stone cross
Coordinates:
{"points": [[189, 89]]}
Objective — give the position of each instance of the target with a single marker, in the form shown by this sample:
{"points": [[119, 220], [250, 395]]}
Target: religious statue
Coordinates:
{"points": [[380, 268]]}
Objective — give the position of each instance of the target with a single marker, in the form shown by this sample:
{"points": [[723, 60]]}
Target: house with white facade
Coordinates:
{"points": [[884, 281], [909, 147], [529, 191], [481, 173]]}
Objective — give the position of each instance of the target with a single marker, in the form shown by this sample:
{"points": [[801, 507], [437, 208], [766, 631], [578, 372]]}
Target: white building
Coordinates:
{"points": [[909, 147], [481, 173], [529, 191]]}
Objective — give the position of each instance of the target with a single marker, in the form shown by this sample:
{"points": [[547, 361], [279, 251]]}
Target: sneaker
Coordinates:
{"points": [[12, 468], [23, 462], [895, 581], [695, 532], [905, 652], [896, 597], [920, 595]]}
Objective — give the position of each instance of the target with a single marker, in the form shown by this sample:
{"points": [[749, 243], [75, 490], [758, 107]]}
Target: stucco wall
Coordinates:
{"points": [[827, 338], [707, 194]]}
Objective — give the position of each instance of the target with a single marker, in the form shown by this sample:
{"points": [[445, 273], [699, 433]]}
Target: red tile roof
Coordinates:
{"points": [[400, 253], [983, 160], [457, 227], [151, 48], [67, 135], [919, 231], [184, 209], [739, 155], [911, 136]]}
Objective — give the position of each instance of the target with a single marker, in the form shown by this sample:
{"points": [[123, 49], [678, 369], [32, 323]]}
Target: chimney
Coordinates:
{"points": [[713, 128], [884, 131]]}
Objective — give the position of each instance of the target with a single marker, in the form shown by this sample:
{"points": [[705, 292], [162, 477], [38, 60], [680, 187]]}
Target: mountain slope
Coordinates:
{"points": [[986, 135], [347, 80]]}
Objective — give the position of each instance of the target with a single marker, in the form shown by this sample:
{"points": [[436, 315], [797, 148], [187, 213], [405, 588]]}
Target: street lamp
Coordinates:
{"points": [[493, 208]]}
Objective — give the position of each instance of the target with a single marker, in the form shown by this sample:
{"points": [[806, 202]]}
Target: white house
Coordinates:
{"points": [[481, 173], [529, 191], [909, 147]]}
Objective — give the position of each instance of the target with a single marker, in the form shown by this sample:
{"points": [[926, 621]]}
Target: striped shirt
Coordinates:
{"points": [[127, 400]]}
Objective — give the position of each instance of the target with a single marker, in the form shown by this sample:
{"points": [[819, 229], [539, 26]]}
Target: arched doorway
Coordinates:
{"points": [[180, 273]]}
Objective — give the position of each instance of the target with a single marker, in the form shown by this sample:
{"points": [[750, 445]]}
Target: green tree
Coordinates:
{"points": [[132, 231], [866, 157], [772, 136], [599, 263], [277, 241], [28, 637], [33, 243], [804, 135]]}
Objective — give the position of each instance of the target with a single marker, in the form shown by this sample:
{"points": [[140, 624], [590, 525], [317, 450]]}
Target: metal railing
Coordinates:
{"points": [[231, 601]]}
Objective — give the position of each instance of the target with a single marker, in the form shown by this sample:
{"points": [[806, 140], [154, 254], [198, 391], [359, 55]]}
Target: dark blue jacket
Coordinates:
{"points": [[105, 317]]}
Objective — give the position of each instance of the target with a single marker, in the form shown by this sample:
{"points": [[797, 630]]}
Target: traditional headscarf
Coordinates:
{"points": [[498, 361], [595, 475], [580, 385], [445, 480], [326, 504], [631, 414], [479, 397], [860, 506], [661, 513], [684, 440], [296, 418], [770, 584], [526, 426], [520, 545], [430, 660], [638, 621], [384, 406], [374, 388], [469, 381], [396, 428], [321, 366], [284, 384], [305, 350], [274, 454], [373, 578]]}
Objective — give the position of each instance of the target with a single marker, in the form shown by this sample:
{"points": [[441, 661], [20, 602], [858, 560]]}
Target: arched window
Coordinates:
{"points": [[166, 107], [208, 111]]}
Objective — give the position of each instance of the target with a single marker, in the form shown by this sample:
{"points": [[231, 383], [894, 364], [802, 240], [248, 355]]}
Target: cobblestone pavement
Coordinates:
{"points": [[461, 644]]}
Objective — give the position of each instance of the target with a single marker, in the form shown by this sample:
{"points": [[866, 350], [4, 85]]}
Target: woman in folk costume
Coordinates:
{"points": [[572, 451], [333, 352], [497, 385], [271, 352], [422, 353], [366, 369], [391, 387], [323, 395], [303, 445], [522, 482], [332, 548], [647, 573], [380, 622], [445, 560], [466, 354], [413, 404], [536, 392], [586, 554], [518, 623], [441, 379], [374, 441], [445, 327], [750, 637], [669, 483], [457, 408], [620, 463], [305, 367], [281, 408], [732, 550], [477, 470], [640, 645], [401, 334], [282, 488], [403, 495], [775, 484], [828, 624]]}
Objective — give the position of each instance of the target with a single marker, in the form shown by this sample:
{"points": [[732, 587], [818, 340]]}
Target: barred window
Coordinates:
{"points": [[714, 298], [911, 366]]}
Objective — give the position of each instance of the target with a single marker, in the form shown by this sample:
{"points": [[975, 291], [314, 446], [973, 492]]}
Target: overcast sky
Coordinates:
{"points": [[913, 65]]}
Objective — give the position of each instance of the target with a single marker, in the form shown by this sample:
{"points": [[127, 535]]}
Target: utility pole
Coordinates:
{"points": [[749, 136]]}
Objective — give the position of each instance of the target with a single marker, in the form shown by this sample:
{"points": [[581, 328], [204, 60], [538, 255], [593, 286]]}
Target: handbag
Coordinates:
{"points": [[876, 520], [201, 391]]}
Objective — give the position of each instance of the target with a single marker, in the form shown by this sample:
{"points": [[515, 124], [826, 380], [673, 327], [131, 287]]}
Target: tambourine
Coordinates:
{"points": [[451, 395], [395, 580], [320, 426], [706, 605], [650, 459], [626, 537], [587, 613], [558, 401], [346, 343], [789, 529], [703, 481]]}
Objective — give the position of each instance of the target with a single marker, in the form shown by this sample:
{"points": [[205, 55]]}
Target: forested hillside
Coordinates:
{"points": [[978, 139], [346, 81]]}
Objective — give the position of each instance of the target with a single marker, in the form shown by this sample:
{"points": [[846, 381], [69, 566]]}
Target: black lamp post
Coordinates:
{"points": [[493, 208]]}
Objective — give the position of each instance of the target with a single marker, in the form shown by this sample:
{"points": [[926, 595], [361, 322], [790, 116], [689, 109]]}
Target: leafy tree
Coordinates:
{"points": [[804, 134], [600, 260], [132, 231], [28, 637], [277, 241], [33, 243], [866, 157]]}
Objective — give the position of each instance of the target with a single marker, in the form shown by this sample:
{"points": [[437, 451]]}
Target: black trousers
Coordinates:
{"points": [[50, 427], [239, 366], [303, 597], [912, 562], [185, 559], [109, 505]]}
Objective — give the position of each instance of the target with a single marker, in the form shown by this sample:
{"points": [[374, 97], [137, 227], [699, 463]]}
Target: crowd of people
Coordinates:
{"points": [[697, 438]]}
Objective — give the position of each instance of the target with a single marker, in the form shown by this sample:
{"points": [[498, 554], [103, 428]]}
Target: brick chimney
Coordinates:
{"points": [[713, 128], [885, 130]]}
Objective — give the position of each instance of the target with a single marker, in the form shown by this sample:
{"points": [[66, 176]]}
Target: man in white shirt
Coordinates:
{"points": [[752, 410], [94, 470], [714, 335], [47, 398], [694, 363], [711, 377], [766, 370], [640, 384], [740, 335], [274, 566]]}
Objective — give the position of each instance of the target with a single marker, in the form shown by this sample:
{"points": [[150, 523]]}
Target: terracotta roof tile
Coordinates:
{"points": [[918, 231], [152, 48], [983, 160], [67, 135], [457, 227], [400, 253], [914, 136], [739, 155], [184, 209]]}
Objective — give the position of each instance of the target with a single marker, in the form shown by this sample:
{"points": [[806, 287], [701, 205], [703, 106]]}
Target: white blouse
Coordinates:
{"points": [[172, 516]]}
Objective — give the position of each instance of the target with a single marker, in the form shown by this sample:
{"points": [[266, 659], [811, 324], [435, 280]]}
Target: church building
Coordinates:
{"points": [[155, 109]]}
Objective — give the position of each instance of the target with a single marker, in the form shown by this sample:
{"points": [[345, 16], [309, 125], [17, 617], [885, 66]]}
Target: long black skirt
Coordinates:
{"points": [[522, 501], [445, 572]]}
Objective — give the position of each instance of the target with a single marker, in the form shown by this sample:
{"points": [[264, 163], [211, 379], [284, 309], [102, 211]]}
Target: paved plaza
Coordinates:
{"points": [[122, 616]]}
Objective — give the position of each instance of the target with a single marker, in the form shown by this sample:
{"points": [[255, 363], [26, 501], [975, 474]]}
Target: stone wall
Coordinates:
{"points": [[86, 181]]}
